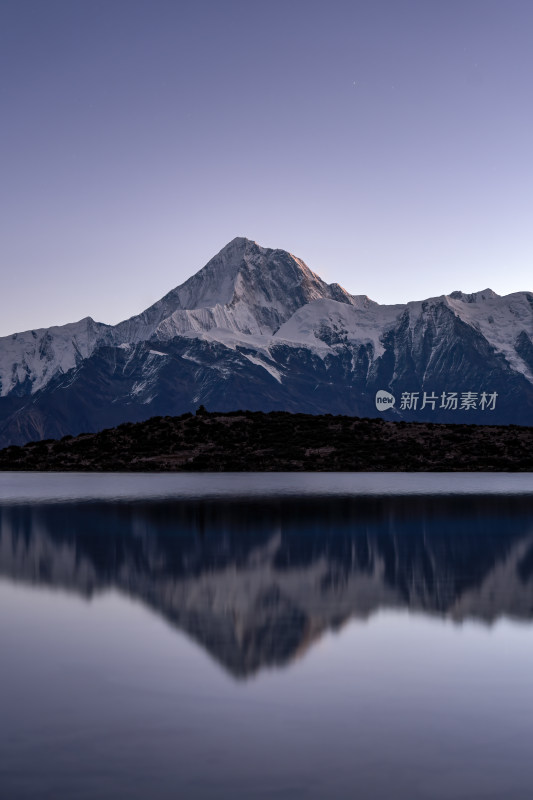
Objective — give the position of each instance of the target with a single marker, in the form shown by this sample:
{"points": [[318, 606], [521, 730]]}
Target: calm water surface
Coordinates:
{"points": [[266, 636]]}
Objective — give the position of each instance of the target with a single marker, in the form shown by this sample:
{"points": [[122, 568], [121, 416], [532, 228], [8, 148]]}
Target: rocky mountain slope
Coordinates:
{"points": [[257, 329]]}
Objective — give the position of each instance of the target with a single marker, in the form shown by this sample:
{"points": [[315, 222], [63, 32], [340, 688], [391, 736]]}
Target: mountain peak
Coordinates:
{"points": [[241, 241], [258, 287], [240, 244], [474, 297], [244, 288]]}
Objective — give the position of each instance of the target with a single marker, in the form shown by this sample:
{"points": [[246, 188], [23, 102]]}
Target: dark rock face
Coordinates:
{"points": [[256, 329]]}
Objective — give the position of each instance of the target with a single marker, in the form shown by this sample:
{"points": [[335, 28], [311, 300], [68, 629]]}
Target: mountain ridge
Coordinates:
{"points": [[252, 316]]}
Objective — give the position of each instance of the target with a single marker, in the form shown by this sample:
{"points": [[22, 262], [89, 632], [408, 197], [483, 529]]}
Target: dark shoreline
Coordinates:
{"points": [[245, 441]]}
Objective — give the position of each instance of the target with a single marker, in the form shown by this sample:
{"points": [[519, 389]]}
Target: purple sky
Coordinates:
{"points": [[388, 144]]}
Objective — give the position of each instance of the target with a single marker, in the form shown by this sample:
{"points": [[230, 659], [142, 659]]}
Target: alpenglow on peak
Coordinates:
{"points": [[244, 288]]}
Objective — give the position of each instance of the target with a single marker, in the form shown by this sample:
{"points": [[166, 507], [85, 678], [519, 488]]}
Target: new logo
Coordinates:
{"points": [[384, 400]]}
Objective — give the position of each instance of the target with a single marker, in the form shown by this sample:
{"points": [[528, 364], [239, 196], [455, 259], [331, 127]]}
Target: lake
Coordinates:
{"points": [[266, 636]]}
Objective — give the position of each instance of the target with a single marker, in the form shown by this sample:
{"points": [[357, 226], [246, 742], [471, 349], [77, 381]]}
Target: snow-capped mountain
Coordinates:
{"points": [[29, 360], [256, 328], [244, 289]]}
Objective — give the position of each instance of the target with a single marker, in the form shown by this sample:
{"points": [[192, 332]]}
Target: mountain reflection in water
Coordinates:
{"points": [[257, 582]]}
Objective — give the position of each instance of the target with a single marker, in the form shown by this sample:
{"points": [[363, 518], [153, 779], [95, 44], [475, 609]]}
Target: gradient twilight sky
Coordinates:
{"points": [[388, 143]]}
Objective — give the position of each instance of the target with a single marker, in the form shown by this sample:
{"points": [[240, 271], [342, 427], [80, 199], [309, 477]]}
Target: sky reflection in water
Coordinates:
{"points": [[267, 647]]}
